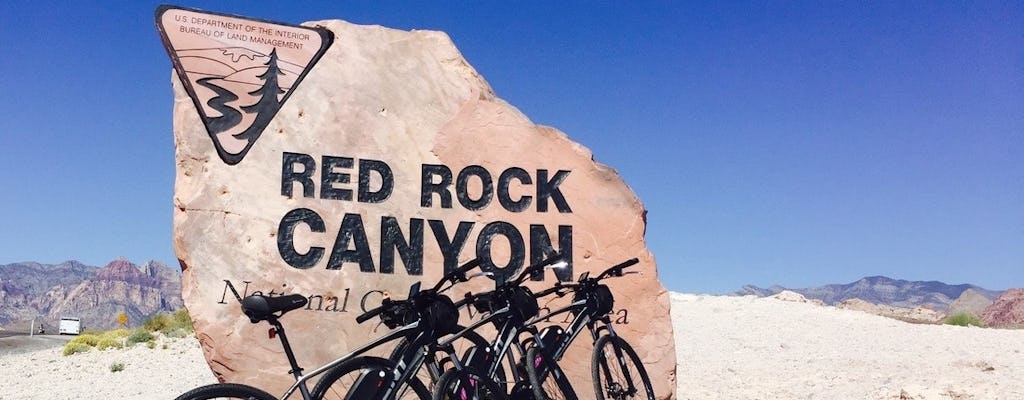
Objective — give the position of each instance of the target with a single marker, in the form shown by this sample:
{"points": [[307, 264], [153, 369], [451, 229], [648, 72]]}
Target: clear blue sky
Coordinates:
{"points": [[781, 142]]}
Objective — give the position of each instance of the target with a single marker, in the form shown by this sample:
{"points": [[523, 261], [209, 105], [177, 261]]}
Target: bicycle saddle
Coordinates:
{"points": [[260, 308]]}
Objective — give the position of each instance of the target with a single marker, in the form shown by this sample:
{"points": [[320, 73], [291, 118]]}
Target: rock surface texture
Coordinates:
{"points": [[1006, 311], [391, 159]]}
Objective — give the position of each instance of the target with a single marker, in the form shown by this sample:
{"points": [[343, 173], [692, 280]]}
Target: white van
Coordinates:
{"points": [[70, 326]]}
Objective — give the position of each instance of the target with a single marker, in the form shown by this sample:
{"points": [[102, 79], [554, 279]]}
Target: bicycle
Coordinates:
{"points": [[379, 378], [615, 367], [416, 351], [510, 306]]}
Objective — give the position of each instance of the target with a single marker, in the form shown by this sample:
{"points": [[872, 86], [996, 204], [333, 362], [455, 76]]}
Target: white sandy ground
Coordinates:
{"points": [[728, 348]]}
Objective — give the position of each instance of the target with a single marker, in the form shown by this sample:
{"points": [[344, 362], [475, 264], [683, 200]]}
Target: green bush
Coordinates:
{"points": [[167, 323], [181, 320], [88, 339], [75, 348], [117, 367], [177, 333], [109, 343], [157, 322], [140, 336], [151, 344], [963, 319], [117, 333]]}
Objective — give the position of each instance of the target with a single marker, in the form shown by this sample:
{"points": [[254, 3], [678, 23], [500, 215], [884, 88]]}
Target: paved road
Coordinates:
{"points": [[22, 343]]}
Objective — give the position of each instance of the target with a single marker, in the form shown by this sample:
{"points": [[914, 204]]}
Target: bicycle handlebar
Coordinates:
{"points": [[555, 260], [458, 273], [374, 312], [558, 288], [617, 269], [469, 298]]}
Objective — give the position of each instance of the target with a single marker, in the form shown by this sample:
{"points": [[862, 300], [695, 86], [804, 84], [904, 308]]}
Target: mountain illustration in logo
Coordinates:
{"points": [[238, 71]]}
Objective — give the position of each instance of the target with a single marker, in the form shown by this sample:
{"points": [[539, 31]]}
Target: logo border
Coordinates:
{"points": [[326, 37]]}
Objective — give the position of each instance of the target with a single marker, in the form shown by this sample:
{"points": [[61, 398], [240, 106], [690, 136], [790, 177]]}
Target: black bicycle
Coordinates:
{"points": [[617, 371], [425, 314], [435, 316], [478, 375]]}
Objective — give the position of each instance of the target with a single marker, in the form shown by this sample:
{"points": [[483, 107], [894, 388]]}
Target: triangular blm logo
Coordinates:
{"points": [[238, 71]]}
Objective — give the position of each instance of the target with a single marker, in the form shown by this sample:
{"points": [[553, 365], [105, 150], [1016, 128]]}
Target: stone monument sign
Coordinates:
{"points": [[342, 162]]}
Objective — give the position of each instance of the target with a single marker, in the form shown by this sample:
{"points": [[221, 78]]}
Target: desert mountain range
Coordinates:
{"points": [[48, 292], [913, 301]]}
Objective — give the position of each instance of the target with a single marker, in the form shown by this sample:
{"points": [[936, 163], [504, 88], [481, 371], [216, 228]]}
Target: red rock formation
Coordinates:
{"points": [[123, 270], [436, 158], [1006, 311]]}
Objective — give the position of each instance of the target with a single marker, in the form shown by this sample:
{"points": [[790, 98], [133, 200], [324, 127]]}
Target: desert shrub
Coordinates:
{"points": [[151, 344], [75, 348], [109, 343], [117, 367], [167, 323], [157, 322], [181, 320], [177, 333], [963, 319], [91, 331], [140, 336], [89, 339], [117, 333]]}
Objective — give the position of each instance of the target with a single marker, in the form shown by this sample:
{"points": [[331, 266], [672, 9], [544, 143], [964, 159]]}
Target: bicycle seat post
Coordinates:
{"points": [[293, 363]]}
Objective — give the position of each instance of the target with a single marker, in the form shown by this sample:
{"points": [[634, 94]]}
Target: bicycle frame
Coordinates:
{"points": [[301, 379], [580, 321], [583, 320], [507, 337]]}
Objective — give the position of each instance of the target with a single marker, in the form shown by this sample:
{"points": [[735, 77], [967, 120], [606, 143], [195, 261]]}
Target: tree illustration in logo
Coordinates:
{"points": [[268, 104]]}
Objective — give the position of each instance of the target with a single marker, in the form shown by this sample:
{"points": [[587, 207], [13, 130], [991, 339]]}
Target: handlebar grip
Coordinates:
{"points": [[370, 314], [457, 274], [626, 264], [617, 269], [462, 269]]}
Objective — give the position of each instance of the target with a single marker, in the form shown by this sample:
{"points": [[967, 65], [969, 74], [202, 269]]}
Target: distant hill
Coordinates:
{"points": [[885, 291], [96, 295]]}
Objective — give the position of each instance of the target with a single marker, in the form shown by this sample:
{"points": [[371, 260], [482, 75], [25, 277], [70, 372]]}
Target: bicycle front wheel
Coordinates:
{"points": [[225, 391], [618, 372], [466, 384], [546, 377], [366, 378]]}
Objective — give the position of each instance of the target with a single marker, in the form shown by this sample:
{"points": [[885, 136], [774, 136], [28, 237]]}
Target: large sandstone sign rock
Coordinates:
{"points": [[390, 160]]}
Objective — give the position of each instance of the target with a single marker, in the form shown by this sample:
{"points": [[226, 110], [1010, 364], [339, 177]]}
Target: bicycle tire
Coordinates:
{"points": [[362, 371], [466, 384], [547, 379], [613, 376], [225, 391]]}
